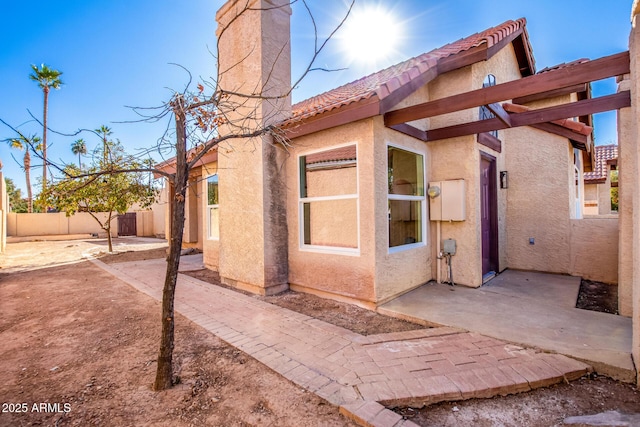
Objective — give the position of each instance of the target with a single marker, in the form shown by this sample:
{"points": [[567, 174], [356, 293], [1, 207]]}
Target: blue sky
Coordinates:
{"points": [[117, 53]]}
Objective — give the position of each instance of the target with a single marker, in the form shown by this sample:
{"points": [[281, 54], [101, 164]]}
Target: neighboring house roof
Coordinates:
{"points": [[605, 155], [564, 65], [402, 77]]}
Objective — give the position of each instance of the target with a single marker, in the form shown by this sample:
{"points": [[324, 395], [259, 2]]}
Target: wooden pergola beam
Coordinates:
{"points": [[535, 117], [582, 87], [602, 68], [584, 107]]}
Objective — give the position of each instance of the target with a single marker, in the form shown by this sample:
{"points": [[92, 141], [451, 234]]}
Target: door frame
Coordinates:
{"points": [[494, 258]]}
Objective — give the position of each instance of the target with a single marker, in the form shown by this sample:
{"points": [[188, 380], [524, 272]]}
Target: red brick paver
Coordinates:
{"points": [[350, 370]]}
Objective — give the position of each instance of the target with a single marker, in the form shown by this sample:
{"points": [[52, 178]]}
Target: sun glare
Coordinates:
{"points": [[370, 35]]}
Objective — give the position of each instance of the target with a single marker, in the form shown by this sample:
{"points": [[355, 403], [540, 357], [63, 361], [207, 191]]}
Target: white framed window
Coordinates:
{"points": [[578, 183], [328, 202], [213, 213], [406, 198]]}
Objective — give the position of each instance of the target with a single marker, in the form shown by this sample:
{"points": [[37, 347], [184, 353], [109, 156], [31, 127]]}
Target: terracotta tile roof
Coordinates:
{"points": [[338, 154], [605, 154], [385, 82]]}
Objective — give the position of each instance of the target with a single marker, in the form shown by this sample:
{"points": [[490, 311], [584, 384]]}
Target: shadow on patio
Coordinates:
{"points": [[528, 308]]}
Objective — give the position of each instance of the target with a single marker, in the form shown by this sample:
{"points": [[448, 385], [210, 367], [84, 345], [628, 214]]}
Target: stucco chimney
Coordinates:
{"points": [[254, 59]]}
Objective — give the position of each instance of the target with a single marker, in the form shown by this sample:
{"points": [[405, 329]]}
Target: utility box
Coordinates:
{"points": [[450, 204], [449, 247]]}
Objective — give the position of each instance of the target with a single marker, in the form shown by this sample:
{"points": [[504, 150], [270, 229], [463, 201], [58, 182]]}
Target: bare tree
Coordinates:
{"points": [[202, 122]]}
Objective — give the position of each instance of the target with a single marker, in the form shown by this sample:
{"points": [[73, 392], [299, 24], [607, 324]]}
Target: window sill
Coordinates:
{"points": [[330, 250], [403, 248]]}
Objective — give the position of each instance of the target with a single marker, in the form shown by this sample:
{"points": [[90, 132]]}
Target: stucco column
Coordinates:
{"points": [[255, 63], [627, 171], [191, 216], [632, 154]]}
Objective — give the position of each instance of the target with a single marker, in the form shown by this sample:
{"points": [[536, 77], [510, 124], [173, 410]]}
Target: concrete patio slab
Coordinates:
{"points": [[191, 262], [562, 289], [360, 374], [532, 309]]}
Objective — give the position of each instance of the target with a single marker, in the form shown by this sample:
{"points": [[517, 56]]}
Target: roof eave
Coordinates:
{"points": [[169, 165], [363, 109]]}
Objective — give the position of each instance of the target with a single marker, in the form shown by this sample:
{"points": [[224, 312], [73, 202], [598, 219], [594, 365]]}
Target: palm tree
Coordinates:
{"points": [[47, 78], [79, 148], [104, 131], [27, 144]]}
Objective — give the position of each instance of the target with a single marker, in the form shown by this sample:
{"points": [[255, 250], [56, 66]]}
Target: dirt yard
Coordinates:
{"points": [[79, 348], [81, 341]]}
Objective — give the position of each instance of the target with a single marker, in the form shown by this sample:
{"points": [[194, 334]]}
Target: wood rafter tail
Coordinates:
{"points": [[411, 131], [500, 113]]}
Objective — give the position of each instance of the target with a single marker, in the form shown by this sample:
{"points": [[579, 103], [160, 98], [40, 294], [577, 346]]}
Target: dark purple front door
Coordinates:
{"points": [[489, 213]]}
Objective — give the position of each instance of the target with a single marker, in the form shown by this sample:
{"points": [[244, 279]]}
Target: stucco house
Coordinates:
{"points": [[598, 183], [367, 201]]}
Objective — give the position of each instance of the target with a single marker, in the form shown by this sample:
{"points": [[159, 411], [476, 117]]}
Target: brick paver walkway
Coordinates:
{"points": [[358, 373]]}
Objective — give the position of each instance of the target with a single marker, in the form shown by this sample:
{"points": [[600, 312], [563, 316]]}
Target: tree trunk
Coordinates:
{"points": [[27, 176], [104, 148], [108, 230], [44, 139], [164, 373]]}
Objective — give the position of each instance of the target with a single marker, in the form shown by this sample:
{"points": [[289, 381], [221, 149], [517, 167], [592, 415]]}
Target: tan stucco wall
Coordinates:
{"points": [[457, 158], [144, 224], [401, 269], [48, 224], [604, 195], [591, 192], [159, 210], [192, 234], [594, 248], [538, 201], [348, 276]]}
